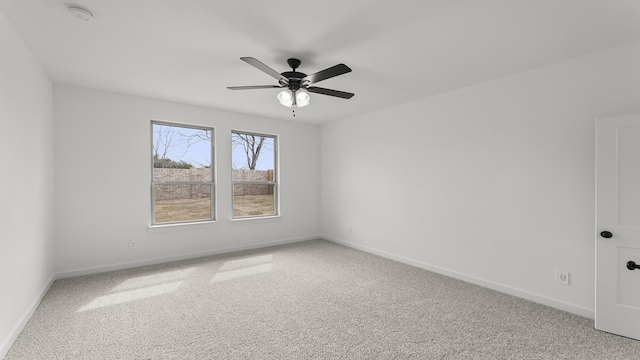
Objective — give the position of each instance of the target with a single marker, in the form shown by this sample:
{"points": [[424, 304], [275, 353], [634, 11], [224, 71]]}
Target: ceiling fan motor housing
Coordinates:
{"points": [[294, 77]]}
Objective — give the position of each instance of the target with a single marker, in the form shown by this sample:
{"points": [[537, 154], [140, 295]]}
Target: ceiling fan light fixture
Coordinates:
{"points": [[286, 98], [302, 98]]}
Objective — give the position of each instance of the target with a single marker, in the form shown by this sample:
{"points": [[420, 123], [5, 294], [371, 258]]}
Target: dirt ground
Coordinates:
{"points": [[252, 205], [199, 209]]}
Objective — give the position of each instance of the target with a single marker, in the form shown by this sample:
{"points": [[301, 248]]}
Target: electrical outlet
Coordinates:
{"points": [[562, 277], [133, 245]]}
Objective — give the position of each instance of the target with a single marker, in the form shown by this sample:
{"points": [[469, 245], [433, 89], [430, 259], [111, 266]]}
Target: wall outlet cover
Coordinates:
{"points": [[562, 277]]}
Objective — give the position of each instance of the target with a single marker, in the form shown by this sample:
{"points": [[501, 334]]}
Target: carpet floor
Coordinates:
{"points": [[309, 300]]}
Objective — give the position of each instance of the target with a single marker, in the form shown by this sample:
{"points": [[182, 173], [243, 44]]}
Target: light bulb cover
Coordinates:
{"points": [[302, 98], [286, 98]]}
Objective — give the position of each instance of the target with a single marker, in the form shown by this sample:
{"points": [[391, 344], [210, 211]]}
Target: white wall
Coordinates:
{"points": [[26, 184], [97, 214], [492, 183]]}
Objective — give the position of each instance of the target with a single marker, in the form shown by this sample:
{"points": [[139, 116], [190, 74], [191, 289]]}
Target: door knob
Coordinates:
{"points": [[606, 234], [631, 265]]}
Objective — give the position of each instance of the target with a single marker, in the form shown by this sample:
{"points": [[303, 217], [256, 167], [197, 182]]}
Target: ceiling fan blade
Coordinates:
{"points": [[330, 92], [327, 73], [253, 87], [264, 68]]}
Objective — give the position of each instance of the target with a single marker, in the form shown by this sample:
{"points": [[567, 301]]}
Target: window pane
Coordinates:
{"points": [[253, 200], [181, 153], [182, 202], [252, 152], [253, 160]]}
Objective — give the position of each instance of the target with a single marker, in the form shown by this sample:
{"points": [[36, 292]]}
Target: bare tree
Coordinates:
{"points": [[252, 145], [163, 139]]}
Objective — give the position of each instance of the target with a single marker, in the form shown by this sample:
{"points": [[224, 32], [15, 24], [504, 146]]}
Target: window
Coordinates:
{"points": [[254, 174], [182, 188]]}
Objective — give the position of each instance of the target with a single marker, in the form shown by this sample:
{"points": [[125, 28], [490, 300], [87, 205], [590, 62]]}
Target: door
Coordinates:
{"points": [[618, 225]]}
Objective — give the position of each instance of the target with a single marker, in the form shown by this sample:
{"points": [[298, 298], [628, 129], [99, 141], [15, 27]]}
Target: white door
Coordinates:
{"points": [[618, 225]]}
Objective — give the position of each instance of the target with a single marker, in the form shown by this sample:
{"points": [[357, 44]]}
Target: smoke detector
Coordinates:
{"points": [[81, 13]]}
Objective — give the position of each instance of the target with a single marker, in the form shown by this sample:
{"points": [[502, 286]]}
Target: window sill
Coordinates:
{"points": [[271, 218], [153, 229]]}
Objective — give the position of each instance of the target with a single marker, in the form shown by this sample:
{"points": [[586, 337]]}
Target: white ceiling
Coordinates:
{"points": [[188, 51]]}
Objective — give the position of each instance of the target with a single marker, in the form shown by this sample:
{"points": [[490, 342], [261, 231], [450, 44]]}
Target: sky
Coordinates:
{"points": [[192, 146]]}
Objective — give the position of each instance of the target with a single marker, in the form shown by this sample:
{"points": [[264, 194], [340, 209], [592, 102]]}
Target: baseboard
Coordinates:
{"points": [[24, 319], [574, 309], [160, 260]]}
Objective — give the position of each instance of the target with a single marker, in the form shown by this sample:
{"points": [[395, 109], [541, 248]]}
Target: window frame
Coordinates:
{"points": [[275, 183], [212, 168]]}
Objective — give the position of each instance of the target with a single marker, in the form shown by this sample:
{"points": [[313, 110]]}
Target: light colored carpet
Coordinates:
{"points": [[311, 300]]}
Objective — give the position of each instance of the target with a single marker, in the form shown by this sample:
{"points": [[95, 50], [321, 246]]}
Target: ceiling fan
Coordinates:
{"points": [[297, 84]]}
